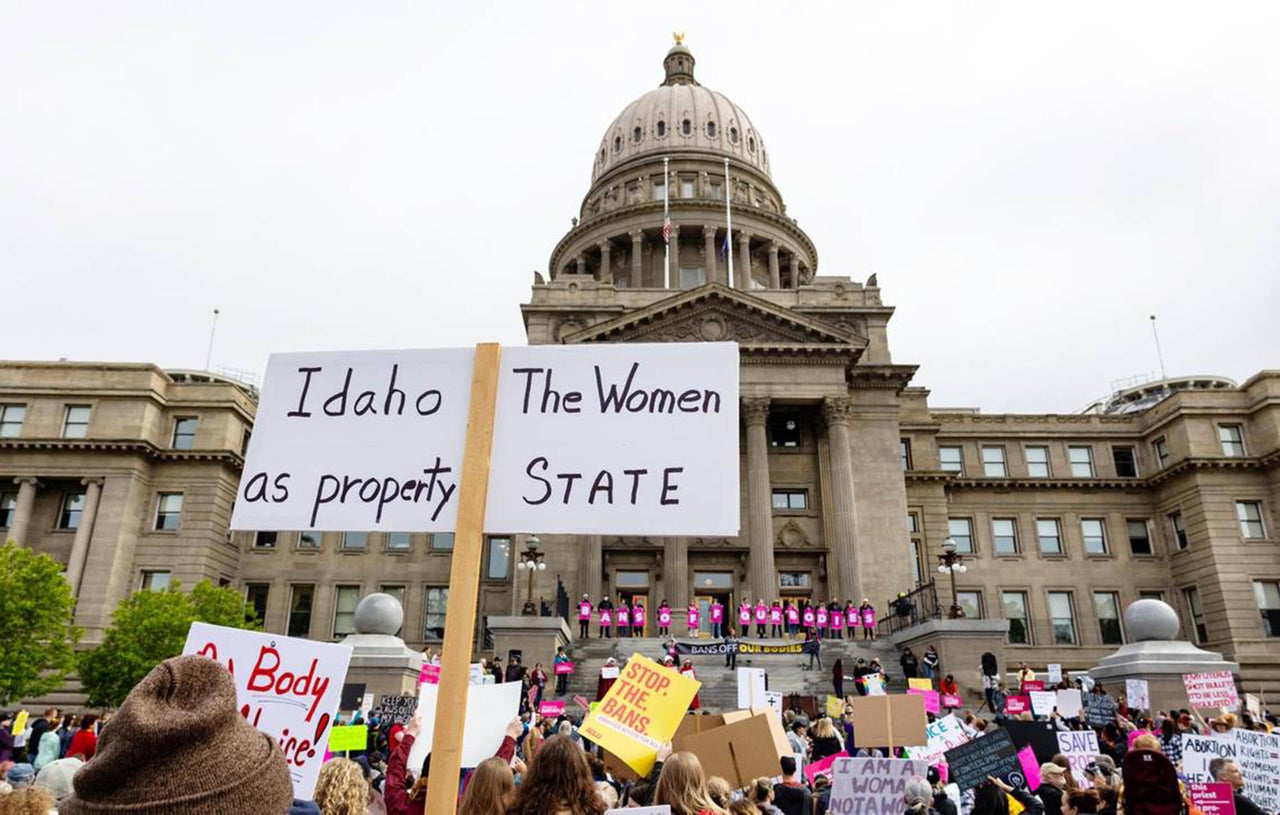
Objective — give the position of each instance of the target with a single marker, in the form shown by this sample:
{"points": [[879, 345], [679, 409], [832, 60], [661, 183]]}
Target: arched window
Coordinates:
{"points": [[711, 130], [751, 144], [617, 144], [686, 127], [601, 155], [636, 135], [733, 135], [662, 128]]}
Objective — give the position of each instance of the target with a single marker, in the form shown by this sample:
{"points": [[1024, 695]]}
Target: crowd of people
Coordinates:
{"points": [[777, 618]]}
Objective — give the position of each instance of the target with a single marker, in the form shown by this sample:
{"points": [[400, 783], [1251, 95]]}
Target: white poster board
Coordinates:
{"points": [[751, 692], [1069, 703], [872, 784], [489, 709], [1055, 673], [1136, 693], [1216, 689], [1080, 747], [943, 734], [1043, 702], [286, 684], [774, 700]]}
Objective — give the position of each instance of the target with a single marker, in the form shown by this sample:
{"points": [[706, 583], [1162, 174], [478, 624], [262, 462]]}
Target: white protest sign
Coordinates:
{"points": [[1080, 747], [943, 734], [774, 699], [1069, 703], [623, 439], [286, 687], [489, 709], [1055, 673], [1257, 755], [868, 785], [1210, 690], [1136, 693], [751, 688], [1043, 702], [1252, 704]]}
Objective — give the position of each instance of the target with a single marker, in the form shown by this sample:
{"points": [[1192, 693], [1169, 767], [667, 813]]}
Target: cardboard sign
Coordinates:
{"points": [[744, 747], [564, 668], [869, 785], [1136, 693], [489, 709], [1099, 709], [350, 737], [920, 683], [1217, 689], [991, 755], [952, 701], [817, 768], [429, 675], [1213, 799], [1070, 703], [932, 700], [1257, 755], [1081, 748], [640, 712], [1017, 705], [398, 709], [1041, 737], [942, 735], [282, 684], [551, 709], [1055, 673], [889, 721], [751, 688], [351, 697], [625, 439], [1043, 702]]}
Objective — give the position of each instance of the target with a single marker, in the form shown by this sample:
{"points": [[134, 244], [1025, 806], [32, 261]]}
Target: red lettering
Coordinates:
{"points": [[264, 678]]}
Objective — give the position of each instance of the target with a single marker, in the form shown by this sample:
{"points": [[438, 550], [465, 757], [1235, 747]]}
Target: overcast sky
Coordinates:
{"points": [[1029, 181]]}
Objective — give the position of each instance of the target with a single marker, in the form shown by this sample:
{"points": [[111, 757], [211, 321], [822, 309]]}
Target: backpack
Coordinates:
{"points": [[1150, 784]]}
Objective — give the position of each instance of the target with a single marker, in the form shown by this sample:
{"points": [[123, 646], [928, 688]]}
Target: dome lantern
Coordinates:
{"points": [[679, 63]]}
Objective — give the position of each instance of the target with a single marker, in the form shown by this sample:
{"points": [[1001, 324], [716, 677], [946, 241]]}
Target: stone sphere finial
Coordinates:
{"points": [[1150, 619], [379, 613]]}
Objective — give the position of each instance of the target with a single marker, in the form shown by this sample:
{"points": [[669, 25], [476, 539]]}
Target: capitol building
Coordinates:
{"points": [[851, 479]]}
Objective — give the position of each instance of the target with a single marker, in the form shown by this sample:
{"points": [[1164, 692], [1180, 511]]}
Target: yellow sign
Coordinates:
{"points": [[920, 683], [835, 707], [20, 723], [350, 737], [640, 712]]}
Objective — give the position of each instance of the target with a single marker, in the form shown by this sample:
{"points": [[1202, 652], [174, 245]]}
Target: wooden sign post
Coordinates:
{"points": [[464, 584]]}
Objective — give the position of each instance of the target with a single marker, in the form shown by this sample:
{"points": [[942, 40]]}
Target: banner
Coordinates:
{"points": [[286, 687], [1017, 705], [1030, 767], [835, 707], [640, 712], [1136, 694], [1041, 737], [991, 755], [952, 700], [624, 439], [702, 649], [1081, 748], [551, 709], [1257, 755], [1032, 685], [872, 785], [398, 709], [350, 737], [774, 700], [889, 721], [1217, 689], [489, 709], [942, 735]]}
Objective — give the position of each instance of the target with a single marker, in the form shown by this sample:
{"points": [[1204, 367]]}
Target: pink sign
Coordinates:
{"points": [[744, 615], [564, 668], [793, 615], [584, 611], [430, 675], [717, 613], [664, 617], [550, 708], [581, 701], [942, 772], [1208, 690], [1133, 734], [951, 700], [1030, 767], [692, 615], [931, 699], [812, 771], [1032, 684], [1015, 705], [1213, 799]]}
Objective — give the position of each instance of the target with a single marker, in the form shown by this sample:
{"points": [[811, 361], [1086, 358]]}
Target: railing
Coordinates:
{"points": [[562, 602], [909, 609]]}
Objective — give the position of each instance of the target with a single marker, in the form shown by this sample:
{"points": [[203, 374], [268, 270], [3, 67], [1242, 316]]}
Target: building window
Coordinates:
{"points": [[617, 144], [1015, 611], [398, 592], [346, 598], [711, 130], [1062, 617], [794, 580], [913, 523], [686, 127], [1232, 438], [355, 541], [72, 509], [1151, 594], [971, 603], [169, 511], [1107, 606], [1037, 462], [918, 570], [1126, 461], [265, 540], [184, 433], [155, 581], [255, 595], [784, 431], [637, 134], [993, 465], [791, 499], [1250, 515], [309, 540], [659, 190], [709, 581], [733, 135], [301, 597], [398, 542], [631, 579], [1094, 531], [951, 459], [75, 424], [905, 445], [1139, 536], [1179, 530], [1004, 536], [686, 188], [1162, 452], [1267, 593], [442, 542], [1050, 535], [433, 621], [1081, 461], [8, 508], [499, 559], [716, 193], [751, 143], [11, 419], [244, 441], [662, 128], [1196, 612], [692, 278], [960, 530]]}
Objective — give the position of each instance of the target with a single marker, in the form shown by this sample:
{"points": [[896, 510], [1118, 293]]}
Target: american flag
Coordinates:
{"points": [[666, 229]]}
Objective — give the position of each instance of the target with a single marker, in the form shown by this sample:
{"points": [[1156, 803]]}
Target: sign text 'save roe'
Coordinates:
{"points": [[623, 439]]}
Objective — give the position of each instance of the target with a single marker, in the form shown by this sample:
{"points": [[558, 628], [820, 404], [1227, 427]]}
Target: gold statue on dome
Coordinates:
{"points": [[678, 36]]}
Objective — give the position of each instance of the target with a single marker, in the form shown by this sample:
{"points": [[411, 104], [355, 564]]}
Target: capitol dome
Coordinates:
{"points": [[680, 116]]}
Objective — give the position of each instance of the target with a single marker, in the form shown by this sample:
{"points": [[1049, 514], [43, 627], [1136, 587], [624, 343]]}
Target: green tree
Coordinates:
{"points": [[147, 628], [37, 639]]}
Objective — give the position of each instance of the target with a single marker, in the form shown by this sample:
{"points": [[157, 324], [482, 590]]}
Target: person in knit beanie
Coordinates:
{"points": [[179, 744]]}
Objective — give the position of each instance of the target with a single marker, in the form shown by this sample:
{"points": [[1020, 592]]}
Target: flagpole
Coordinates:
{"points": [[666, 217], [728, 220]]}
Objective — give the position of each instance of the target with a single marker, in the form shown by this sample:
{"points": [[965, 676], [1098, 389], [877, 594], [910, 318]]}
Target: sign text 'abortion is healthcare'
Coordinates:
{"points": [[622, 439]]}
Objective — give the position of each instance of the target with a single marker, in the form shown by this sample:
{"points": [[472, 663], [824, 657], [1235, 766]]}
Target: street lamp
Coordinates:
{"points": [[951, 562], [531, 560]]}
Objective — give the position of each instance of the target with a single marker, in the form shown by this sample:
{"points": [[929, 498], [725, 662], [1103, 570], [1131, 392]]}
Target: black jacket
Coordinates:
{"points": [[792, 800], [1246, 807], [1051, 797]]}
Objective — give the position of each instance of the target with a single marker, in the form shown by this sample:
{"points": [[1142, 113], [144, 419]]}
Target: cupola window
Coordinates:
{"points": [[662, 128], [751, 144], [686, 127], [711, 130], [617, 144], [636, 135], [733, 135]]}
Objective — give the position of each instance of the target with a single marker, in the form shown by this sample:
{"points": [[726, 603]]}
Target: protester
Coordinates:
{"points": [[622, 617], [538, 680], [404, 800], [929, 663], [584, 617], [341, 788], [1081, 802], [28, 801], [918, 797], [730, 649], [682, 785], [992, 798], [604, 683], [490, 789], [837, 678], [20, 775], [6, 736], [789, 795], [38, 727], [687, 670], [664, 619], [179, 743], [867, 613], [910, 664], [1224, 770], [720, 791], [605, 610], [558, 782], [762, 795], [798, 736], [562, 680], [826, 742], [1150, 784], [1053, 783], [57, 776]]}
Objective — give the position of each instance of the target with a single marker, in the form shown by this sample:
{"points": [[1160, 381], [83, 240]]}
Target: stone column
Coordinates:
{"points": [[743, 270], [606, 267], [637, 267], [709, 249], [22, 513], [675, 574], [837, 412], [675, 258], [761, 579], [795, 271], [592, 566], [775, 279], [84, 533], [580, 264]]}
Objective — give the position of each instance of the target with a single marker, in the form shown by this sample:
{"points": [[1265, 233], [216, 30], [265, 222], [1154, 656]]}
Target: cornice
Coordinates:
{"points": [[1180, 467], [895, 377], [128, 446]]}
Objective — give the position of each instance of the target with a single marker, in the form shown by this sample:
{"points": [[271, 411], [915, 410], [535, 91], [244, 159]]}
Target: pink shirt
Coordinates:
{"points": [[584, 611], [693, 618], [793, 615], [624, 616], [606, 619], [775, 615], [744, 615], [837, 619], [637, 617], [808, 616], [664, 617], [717, 613], [762, 613], [822, 617]]}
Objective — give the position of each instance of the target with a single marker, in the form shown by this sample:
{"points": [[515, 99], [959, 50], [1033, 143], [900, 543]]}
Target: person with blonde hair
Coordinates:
{"points": [[341, 788], [27, 801], [682, 785], [719, 790], [761, 794], [490, 789], [826, 741]]}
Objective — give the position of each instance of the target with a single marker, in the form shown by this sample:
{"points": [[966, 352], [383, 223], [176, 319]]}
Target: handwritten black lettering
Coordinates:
{"points": [[302, 397]]}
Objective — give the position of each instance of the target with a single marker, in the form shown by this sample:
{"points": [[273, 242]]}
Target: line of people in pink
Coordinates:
{"points": [[778, 619]]}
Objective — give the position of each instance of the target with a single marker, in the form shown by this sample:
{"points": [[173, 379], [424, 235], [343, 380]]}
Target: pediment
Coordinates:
{"points": [[715, 313]]}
